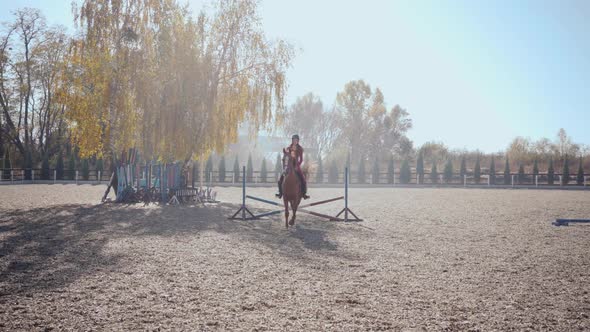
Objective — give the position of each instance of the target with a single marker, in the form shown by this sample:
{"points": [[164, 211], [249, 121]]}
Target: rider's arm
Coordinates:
{"points": [[301, 157]]}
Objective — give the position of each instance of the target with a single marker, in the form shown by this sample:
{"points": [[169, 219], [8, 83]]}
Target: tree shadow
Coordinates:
{"points": [[51, 247]]}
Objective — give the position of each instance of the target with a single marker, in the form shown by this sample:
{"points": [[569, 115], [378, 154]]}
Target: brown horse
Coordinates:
{"points": [[291, 189]]}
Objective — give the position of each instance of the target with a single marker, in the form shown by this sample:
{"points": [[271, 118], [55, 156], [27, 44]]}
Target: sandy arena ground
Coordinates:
{"points": [[423, 259]]}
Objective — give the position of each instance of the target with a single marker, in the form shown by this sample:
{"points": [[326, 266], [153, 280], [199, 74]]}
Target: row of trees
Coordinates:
{"points": [[360, 128], [405, 171], [476, 172]]}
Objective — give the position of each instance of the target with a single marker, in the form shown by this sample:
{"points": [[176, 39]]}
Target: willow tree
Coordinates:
{"points": [[146, 74]]}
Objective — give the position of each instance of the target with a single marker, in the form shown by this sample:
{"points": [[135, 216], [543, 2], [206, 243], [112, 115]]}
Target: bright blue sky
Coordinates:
{"points": [[472, 74]]}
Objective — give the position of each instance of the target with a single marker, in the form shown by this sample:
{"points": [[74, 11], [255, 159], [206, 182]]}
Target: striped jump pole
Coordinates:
{"points": [[243, 209], [346, 210]]}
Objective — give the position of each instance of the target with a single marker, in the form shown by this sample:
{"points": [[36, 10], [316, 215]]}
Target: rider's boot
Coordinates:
{"points": [[280, 183]]}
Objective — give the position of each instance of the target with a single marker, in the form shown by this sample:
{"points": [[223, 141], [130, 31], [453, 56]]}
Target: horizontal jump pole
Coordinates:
{"points": [[321, 215], [262, 200], [322, 202], [301, 208], [265, 214], [565, 222]]}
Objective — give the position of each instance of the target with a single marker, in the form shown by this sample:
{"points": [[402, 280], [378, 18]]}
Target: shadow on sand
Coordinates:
{"points": [[46, 248]]}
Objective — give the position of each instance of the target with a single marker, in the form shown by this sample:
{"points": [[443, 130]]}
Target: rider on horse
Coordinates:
{"points": [[299, 158]]}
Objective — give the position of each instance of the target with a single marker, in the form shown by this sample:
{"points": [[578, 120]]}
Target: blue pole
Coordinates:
{"points": [[243, 185], [263, 200], [346, 194], [243, 192]]}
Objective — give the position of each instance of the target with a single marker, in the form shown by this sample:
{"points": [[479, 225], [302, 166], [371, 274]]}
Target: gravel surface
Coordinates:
{"points": [[423, 259]]}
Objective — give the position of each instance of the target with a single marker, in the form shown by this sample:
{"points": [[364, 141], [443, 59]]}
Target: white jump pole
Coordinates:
{"points": [[22, 177], [76, 177], [465, 180], [99, 177], [536, 180], [561, 180], [489, 182], [513, 180], [54, 176], [11, 175], [32, 175]]}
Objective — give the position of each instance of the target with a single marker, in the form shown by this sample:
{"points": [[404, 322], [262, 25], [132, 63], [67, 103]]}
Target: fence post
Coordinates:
{"points": [[11, 175], [76, 177], [394, 177], [561, 180], [32, 176], [99, 177], [54, 176], [22, 176], [465, 180], [513, 180], [489, 181], [441, 178], [536, 180]]}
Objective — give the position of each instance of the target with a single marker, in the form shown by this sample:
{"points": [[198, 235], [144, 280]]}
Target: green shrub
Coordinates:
{"points": [[237, 170], [405, 173], [493, 171], [390, 171], [448, 171], [263, 171], [580, 175], [221, 169], [249, 169], [319, 175], [375, 175], [434, 173], [507, 178], [477, 170], [420, 167], [550, 172]]}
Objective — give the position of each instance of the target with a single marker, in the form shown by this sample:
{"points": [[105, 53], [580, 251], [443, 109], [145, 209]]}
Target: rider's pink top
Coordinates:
{"points": [[298, 153]]}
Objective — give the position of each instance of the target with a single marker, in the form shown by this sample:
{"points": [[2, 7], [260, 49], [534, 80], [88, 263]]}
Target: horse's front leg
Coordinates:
{"points": [[294, 206], [286, 213]]}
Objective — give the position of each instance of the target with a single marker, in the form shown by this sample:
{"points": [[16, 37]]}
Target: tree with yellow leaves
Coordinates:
{"points": [[145, 73]]}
